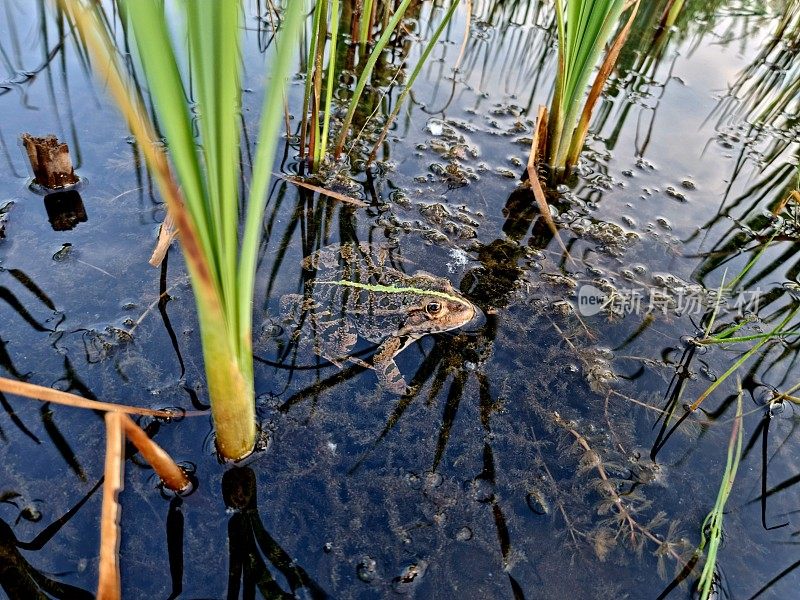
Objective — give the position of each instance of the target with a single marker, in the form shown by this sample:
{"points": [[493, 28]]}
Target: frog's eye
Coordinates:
{"points": [[433, 307]]}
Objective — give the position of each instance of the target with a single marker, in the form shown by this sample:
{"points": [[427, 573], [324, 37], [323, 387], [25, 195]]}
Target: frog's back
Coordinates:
{"points": [[357, 282]]}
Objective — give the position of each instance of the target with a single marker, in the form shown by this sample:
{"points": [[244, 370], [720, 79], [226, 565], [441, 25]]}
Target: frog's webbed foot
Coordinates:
{"points": [[386, 369]]}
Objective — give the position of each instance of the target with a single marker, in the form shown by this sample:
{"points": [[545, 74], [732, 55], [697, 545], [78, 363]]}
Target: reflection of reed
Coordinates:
{"points": [[19, 579], [252, 550], [513, 48], [645, 66], [767, 92]]}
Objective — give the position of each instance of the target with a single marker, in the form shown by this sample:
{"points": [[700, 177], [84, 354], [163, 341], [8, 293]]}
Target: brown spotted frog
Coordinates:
{"points": [[358, 293]]}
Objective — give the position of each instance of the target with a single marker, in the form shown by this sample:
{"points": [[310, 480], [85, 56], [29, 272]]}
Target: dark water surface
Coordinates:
{"points": [[531, 462]]}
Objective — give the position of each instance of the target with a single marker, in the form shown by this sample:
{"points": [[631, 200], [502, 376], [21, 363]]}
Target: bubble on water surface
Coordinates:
{"points": [[537, 503], [433, 480], [367, 569]]}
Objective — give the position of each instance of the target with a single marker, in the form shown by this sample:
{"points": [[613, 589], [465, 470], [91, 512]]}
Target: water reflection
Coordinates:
{"points": [[65, 210], [18, 578], [251, 547]]}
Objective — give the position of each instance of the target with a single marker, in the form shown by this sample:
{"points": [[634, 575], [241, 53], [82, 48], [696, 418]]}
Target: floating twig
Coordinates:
{"points": [[322, 190], [46, 394]]}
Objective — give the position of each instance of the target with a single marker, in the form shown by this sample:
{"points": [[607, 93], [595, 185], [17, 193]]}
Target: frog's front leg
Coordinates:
{"points": [[386, 369]]}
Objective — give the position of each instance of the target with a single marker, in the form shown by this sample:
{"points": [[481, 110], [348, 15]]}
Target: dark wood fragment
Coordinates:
{"points": [[50, 161]]}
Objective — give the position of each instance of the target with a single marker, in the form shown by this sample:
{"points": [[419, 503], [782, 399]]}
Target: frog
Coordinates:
{"points": [[358, 291]]}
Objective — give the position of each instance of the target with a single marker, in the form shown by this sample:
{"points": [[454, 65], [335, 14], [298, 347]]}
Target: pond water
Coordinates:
{"points": [[533, 458]]}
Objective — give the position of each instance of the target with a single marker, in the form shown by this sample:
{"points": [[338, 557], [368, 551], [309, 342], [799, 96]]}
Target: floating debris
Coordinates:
{"points": [[50, 161]]}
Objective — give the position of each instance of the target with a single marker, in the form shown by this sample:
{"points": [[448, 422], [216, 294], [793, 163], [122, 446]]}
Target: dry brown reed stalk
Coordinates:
{"points": [[46, 394], [538, 144], [118, 426], [323, 191], [166, 468], [108, 581], [794, 195], [166, 234]]}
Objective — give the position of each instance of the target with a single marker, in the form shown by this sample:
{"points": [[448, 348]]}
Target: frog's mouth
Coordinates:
{"points": [[476, 323]]}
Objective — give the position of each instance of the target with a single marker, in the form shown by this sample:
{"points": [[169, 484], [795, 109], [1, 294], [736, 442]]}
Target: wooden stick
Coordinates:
{"points": [[166, 468], [46, 394], [322, 191], [166, 234], [538, 143], [108, 582]]}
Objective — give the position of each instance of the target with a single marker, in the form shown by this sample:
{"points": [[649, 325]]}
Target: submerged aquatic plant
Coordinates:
{"points": [[582, 36], [205, 207]]}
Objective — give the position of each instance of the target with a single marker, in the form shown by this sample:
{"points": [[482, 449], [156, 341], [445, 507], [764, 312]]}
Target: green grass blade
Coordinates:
{"points": [[417, 69], [772, 334], [714, 521], [262, 167], [366, 17], [166, 88], [581, 41], [367, 72], [214, 51], [751, 263], [599, 23], [750, 338], [555, 122], [322, 35], [310, 62], [722, 335], [717, 304], [330, 84], [230, 386]]}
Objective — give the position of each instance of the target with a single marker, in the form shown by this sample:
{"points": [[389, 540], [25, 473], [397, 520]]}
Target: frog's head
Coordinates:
{"points": [[437, 307]]}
